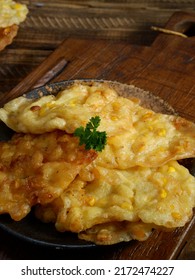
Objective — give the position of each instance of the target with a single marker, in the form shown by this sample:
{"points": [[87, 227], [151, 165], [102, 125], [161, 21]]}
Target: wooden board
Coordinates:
{"points": [[50, 22], [167, 68]]}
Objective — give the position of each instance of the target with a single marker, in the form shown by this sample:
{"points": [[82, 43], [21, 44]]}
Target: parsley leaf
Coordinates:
{"points": [[90, 137]]}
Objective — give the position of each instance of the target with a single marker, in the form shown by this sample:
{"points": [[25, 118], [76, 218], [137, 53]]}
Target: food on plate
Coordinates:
{"points": [[135, 135], [70, 109], [96, 163], [163, 196], [115, 232], [11, 15], [37, 168]]}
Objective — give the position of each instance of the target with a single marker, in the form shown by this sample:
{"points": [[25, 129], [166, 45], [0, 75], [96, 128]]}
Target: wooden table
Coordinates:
{"points": [[118, 36]]}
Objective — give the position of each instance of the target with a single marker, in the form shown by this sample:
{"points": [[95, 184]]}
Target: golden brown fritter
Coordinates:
{"points": [[115, 232], [11, 15], [136, 135], [163, 196], [7, 35], [37, 169]]}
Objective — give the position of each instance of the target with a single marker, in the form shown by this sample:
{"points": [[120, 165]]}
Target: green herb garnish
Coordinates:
{"points": [[90, 137]]}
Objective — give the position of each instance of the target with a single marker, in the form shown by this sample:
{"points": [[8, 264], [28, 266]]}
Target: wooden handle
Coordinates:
{"points": [[43, 74], [180, 22]]}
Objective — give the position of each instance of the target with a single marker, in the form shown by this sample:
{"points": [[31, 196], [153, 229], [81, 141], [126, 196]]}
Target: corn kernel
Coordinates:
{"points": [[49, 105], [114, 118], [172, 206], [139, 233], [161, 149], [18, 6], [126, 205], [164, 181], [115, 106], [44, 108], [162, 132], [72, 103], [176, 215], [163, 193], [171, 169], [147, 115], [42, 111], [141, 148], [91, 201]]}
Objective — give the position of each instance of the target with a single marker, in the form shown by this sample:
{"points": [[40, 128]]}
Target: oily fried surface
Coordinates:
{"points": [[67, 111], [12, 12], [115, 232], [37, 168], [151, 141], [133, 185], [136, 135], [6, 35], [163, 196], [11, 15]]}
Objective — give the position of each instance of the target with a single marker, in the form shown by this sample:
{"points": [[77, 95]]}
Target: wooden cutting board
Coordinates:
{"points": [[167, 69]]}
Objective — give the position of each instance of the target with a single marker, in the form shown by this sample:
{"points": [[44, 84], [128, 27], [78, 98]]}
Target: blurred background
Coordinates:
{"points": [[50, 22]]}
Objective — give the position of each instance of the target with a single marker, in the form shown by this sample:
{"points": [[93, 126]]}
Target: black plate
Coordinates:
{"points": [[32, 230]]}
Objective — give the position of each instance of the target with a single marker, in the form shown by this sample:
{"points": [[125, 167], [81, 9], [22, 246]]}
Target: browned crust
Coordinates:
{"points": [[7, 35]]}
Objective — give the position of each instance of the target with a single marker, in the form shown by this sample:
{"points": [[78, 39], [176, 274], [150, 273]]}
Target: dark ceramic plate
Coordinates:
{"points": [[32, 230]]}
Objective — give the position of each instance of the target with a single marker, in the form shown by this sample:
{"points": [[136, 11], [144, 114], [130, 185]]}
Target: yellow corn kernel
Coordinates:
{"points": [[172, 207], [176, 215], [161, 149], [49, 105], [91, 201], [115, 106], [114, 118], [164, 181], [171, 169], [72, 103], [163, 193], [141, 148], [99, 92], [126, 205], [44, 108], [162, 132], [42, 111], [138, 147], [18, 6], [151, 128], [147, 115]]}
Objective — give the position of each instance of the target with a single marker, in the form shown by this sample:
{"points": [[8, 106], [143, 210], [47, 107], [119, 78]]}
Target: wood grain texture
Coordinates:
{"points": [[50, 22], [166, 68]]}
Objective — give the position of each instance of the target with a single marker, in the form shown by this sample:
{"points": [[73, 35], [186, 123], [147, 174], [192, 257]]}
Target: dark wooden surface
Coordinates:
{"points": [[163, 64], [50, 22]]}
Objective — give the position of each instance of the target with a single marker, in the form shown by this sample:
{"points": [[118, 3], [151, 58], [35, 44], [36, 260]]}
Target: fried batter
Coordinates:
{"points": [[163, 196], [134, 185], [136, 135], [7, 35], [11, 15], [115, 232], [37, 169]]}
